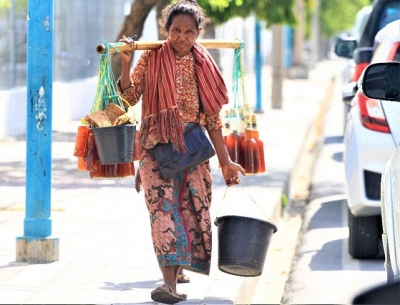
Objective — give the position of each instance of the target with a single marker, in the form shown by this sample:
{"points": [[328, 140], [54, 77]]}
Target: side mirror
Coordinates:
{"points": [[363, 55], [381, 81], [345, 46], [349, 90], [381, 294]]}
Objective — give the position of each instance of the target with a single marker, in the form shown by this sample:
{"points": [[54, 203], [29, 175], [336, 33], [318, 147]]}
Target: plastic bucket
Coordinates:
{"points": [[115, 144], [242, 244]]}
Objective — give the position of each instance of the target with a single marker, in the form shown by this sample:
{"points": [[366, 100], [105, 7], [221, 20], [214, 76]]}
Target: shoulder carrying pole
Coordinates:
{"points": [[152, 45]]}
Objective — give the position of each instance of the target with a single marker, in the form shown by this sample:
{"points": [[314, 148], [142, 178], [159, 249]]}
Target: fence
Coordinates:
{"points": [[78, 27]]}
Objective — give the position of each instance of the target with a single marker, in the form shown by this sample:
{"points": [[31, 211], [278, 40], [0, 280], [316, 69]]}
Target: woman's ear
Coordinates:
{"points": [[199, 32]]}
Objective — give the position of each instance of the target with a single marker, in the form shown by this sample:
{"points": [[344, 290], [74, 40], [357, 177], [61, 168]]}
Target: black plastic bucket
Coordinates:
{"points": [[242, 244], [115, 144]]}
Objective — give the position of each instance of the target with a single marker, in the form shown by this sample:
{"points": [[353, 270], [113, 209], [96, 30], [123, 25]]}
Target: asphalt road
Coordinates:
{"points": [[322, 271]]}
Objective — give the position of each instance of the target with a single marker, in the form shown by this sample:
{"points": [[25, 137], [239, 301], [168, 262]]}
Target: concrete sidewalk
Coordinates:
{"points": [[106, 254]]}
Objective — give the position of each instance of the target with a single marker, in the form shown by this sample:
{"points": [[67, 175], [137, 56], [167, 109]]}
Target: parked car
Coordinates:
{"points": [[382, 81], [348, 71], [371, 136], [359, 46], [355, 33]]}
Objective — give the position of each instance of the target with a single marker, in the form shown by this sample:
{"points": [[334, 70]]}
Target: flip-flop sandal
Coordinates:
{"points": [[163, 294], [182, 278]]}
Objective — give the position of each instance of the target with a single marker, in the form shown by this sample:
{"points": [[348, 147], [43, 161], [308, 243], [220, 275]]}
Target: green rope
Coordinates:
{"points": [[238, 78], [236, 75], [106, 91]]}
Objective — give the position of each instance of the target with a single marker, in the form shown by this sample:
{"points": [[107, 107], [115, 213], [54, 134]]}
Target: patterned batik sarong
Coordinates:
{"points": [[179, 214]]}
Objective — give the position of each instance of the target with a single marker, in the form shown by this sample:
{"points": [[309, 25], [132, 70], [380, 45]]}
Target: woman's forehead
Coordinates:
{"points": [[183, 20]]}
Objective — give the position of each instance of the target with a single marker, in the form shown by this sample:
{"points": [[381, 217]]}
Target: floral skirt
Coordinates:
{"points": [[179, 210]]}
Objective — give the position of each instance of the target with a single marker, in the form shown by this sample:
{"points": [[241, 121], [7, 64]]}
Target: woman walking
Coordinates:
{"points": [[178, 84]]}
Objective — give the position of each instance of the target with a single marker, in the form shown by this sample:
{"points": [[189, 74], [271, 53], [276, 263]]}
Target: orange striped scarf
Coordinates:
{"points": [[161, 117]]}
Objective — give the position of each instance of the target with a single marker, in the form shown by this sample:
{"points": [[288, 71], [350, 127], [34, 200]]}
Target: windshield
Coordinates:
{"points": [[390, 13]]}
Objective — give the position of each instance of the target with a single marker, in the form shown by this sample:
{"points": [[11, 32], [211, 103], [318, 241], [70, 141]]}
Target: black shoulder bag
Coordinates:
{"points": [[172, 162]]}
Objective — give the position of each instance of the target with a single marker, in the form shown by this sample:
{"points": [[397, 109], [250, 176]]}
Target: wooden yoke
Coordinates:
{"points": [[152, 45]]}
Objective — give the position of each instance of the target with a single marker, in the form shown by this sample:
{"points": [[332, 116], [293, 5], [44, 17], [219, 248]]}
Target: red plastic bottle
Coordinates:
{"points": [[110, 171], [234, 141], [226, 128], [99, 173], [81, 164], [91, 156], [250, 149], [81, 141], [125, 169], [260, 144]]}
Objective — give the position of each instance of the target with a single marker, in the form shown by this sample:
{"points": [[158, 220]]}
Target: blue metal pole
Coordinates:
{"points": [[288, 47], [258, 67], [37, 222], [36, 246]]}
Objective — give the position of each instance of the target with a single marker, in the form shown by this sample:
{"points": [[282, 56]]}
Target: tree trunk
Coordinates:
{"points": [[160, 6], [133, 25]]}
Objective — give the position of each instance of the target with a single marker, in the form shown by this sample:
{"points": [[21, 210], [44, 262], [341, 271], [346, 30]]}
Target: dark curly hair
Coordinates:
{"points": [[186, 7]]}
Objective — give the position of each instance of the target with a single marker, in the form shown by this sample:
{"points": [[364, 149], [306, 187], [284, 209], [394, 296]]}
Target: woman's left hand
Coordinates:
{"points": [[230, 171], [138, 182]]}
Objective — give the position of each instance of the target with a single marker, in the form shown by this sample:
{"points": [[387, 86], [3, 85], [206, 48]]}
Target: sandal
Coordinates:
{"points": [[164, 294], [182, 278]]}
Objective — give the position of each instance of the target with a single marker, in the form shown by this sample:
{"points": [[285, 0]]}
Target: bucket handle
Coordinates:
{"points": [[130, 107], [223, 199]]}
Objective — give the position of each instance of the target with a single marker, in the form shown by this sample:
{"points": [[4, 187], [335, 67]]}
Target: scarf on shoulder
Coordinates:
{"points": [[161, 121]]}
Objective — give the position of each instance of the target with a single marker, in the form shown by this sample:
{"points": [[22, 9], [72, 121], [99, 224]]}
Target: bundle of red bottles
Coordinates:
{"points": [[88, 158], [242, 140]]}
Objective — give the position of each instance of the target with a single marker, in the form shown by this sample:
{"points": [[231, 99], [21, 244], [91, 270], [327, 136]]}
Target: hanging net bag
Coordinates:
{"points": [[242, 138], [108, 130]]}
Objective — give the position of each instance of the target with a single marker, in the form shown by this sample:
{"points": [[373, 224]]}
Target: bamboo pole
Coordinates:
{"points": [[152, 45]]}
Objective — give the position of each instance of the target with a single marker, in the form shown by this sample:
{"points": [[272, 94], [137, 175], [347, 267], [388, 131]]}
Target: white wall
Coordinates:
{"points": [[71, 102]]}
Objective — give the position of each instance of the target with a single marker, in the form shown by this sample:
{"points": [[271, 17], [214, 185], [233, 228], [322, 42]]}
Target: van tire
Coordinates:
{"points": [[364, 236]]}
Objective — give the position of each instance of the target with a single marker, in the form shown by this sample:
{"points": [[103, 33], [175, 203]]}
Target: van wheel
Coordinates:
{"points": [[364, 235]]}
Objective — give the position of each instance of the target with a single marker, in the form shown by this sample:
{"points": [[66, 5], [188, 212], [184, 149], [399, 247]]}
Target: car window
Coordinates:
{"points": [[390, 13]]}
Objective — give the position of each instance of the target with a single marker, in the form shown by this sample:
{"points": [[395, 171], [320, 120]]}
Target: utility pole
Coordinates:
{"points": [[36, 245], [277, 66], [315, 51], [13, 70], [258, 67], [300, 67]]}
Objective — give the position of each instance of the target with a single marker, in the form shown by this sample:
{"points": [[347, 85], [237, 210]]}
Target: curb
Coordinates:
{"points": [[283, 245]]}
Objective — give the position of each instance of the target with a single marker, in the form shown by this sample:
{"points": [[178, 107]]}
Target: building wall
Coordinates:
{"points": [[79, 27]]}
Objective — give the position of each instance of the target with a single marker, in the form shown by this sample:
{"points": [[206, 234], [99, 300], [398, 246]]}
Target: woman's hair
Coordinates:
{"points": [[186, 7]]}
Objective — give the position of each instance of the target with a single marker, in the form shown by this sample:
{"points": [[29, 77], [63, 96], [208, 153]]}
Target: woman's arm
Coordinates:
{"points": [[125, 79], [130, 84]]}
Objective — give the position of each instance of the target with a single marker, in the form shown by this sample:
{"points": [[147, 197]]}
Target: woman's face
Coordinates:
{"points": [[182, 34]]}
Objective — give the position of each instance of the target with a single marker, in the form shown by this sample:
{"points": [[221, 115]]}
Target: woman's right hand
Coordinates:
{"points": [[126, 56]]}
